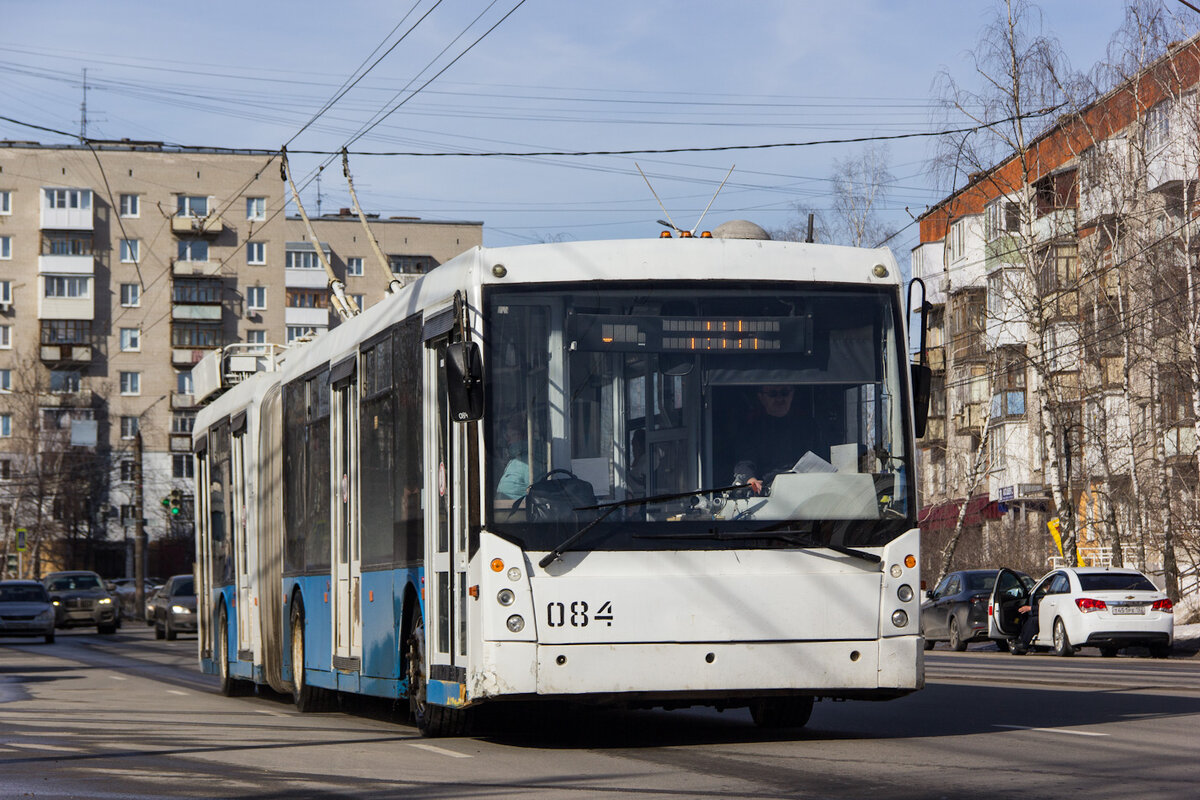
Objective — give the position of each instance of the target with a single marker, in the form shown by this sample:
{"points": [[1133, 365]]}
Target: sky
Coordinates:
{"points": [[555, 75]]}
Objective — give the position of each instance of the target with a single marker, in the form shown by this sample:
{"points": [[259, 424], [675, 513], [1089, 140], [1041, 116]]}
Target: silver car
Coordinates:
{"points": [[25, 610]]}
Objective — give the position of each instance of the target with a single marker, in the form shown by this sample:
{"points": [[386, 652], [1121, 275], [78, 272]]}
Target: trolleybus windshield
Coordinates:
{"points": [[607, 396]]}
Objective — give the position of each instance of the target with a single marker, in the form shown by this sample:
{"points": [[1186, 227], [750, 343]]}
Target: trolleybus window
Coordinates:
{"points": [[645, 393]]}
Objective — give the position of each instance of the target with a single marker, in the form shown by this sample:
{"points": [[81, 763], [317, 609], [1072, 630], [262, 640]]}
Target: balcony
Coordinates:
{"points": [[936, 356], [1180, 441], [935, 430], [188, 269], [305, 279], [181, 443], [189, 356], [208, 313], [180, 400], [970, 419], [65, 353], [308, 317], [84, 264], [196, 226], [81, 398], [67, 209]]}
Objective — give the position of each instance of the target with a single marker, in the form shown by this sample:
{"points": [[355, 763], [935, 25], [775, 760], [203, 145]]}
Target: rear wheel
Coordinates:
{"points": [[1108, 652], [956, 641], [107, 630], [1062, 644], [431, 720], [158, 630], [1160, 651], [307, 698], [50, 637], [781, 712], [170, 631]]}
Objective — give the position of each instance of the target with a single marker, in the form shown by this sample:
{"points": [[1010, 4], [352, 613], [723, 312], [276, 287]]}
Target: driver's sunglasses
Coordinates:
{"points": [[775, 394]]}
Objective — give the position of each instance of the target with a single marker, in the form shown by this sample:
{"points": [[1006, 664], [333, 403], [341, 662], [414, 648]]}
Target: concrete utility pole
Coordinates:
{"points": [[139, 535]]}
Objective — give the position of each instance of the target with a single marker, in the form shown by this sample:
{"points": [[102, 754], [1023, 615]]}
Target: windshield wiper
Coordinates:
{"points": [[793, 538], [557, 552]]}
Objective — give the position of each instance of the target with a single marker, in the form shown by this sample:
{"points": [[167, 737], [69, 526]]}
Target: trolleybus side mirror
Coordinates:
{"points": [[922, 375], [464, 381]]}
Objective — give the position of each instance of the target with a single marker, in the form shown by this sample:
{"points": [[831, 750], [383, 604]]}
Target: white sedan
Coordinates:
{"points": [[1085, 607]]}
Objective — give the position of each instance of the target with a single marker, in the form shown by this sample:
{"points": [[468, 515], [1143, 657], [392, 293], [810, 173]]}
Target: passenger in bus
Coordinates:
{"points": [[637, 463], [515, 479], [774, 438]]}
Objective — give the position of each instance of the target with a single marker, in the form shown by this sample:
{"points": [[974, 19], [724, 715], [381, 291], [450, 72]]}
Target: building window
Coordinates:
{"points": [[411, 265], [196, 291], [354, 266], [67, 286], [127, 513], [191, 206], [193, 250], [957, 240], [256, 297], [5, 247], [69, 198], [1002, 217], [1059, 269], [302, 259], [65, 381], [66, 243], [131, 383], [306, 298], [5, 291], [66, 331], [196, 334], [256, 252], [129, 205], [5, 426], [256, 208], [127, 470], [1158, 126], [129, 251], [181, 466], [5, 202], [5, 380], [256, 336], [183, 382], [131, 295], [131, 339], [129, 427], [183, 421], [5, 337], [358, 301], [5, 470], [295, 332]]}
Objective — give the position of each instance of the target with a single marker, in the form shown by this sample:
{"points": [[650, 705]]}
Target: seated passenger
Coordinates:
{"points": [[515, 479]]}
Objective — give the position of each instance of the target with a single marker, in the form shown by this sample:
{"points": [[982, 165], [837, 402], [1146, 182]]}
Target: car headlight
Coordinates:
{"points": [[180, 610], [54, 603], [105, 601]]}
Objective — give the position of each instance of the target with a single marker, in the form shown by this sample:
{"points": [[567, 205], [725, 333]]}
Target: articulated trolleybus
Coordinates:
{"points": [[655, 473]]}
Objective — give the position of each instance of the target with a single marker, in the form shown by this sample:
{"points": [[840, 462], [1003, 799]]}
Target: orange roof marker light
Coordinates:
{"points": [[664, 235], [705, 234], [685, 234]]}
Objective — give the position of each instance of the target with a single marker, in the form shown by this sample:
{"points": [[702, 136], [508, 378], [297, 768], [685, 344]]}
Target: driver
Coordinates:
{"points": [[774, 438]]}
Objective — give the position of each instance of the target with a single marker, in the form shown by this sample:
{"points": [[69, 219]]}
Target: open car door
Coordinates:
{"points": [[1008, 594]]}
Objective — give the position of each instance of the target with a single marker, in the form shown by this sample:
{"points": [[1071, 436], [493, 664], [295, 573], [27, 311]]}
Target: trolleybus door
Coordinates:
{"points": [[240, 545], [445, 540], [204, 537], [347, 563]]}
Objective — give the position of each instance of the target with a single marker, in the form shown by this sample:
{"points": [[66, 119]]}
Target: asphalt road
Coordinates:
{"points": [[127, 716]]}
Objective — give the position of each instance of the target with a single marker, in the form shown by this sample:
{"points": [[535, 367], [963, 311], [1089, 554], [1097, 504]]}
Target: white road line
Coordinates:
{"points": [[36, 746], [1052, 730], [118, 677], [176, 691], [271, 713], [433, 748]]}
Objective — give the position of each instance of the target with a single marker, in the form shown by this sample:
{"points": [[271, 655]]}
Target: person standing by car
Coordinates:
{"points": [[1029, 626]]}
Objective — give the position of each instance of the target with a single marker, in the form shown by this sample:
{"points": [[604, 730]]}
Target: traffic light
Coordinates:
{"points": [[13, 562], [175, 505]]}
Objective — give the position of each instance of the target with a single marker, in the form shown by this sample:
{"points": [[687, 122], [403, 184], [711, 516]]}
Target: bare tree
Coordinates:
{"points": [[858, 187]]}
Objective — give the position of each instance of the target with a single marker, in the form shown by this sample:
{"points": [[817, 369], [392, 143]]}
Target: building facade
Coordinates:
{"points": [[122, 265], [1065, 299]]}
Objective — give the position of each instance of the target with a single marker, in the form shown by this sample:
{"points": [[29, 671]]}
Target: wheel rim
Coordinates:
{"points": [[223, 649], [954, 642], [416, 671], [1060, 636], [297, 656]]}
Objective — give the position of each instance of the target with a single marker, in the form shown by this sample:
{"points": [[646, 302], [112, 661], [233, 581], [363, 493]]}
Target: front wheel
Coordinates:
{"points": [[431, 720], [307, 698], [159, 633], [1062, 644], [50, 637], [781, 712], [1160, 651]]}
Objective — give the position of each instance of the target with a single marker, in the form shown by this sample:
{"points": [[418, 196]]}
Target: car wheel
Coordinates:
{"points": [[159, 633], [431, 720], [307, 698], [1160, 651], [169, 632], [107, 630], [1108, 652], [957, 643], [929, 643], [781, 712], [50, 637], [1062, 645]]}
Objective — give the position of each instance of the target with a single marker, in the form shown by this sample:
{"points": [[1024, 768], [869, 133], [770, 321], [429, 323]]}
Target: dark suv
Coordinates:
{"points": [[80, 599], [956, 611]]}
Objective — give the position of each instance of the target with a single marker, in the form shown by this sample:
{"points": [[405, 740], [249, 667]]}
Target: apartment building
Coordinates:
{"points": [[1064, 341], [121, 266]]}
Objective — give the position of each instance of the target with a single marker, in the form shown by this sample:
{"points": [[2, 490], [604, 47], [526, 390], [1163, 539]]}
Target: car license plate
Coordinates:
{"points": [[1129, 609]]}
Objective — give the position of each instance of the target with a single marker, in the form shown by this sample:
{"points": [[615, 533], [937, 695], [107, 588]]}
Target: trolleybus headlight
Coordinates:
{"points": [[897, 571], [514, 573], [899, 618], [505, 597], [516, 623], [904, 593]]}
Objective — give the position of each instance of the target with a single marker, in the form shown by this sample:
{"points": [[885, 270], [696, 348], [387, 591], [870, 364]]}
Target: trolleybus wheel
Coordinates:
{"points": [[781, 712], [307, 698], [230, 686], [431, 720]]}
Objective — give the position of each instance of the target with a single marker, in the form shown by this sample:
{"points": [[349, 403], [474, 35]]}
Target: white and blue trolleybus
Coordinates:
{"points": [[560, 471]]}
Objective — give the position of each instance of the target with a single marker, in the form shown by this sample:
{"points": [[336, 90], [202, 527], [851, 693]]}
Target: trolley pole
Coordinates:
{"points": [[139, 535]]}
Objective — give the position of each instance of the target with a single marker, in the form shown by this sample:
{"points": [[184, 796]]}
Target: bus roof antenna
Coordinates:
{"points": [[714, 197], [670, 221]]}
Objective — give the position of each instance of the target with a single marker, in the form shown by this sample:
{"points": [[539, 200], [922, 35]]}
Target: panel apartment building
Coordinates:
{"points": [[121, 266], [1066, 340]]}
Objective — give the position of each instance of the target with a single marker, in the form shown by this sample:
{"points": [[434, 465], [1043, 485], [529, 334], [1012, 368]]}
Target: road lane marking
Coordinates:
{"points": [[271, 713], [39, 746], [1052, 730], [118, 677], [176, 691], [433, 748]]}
